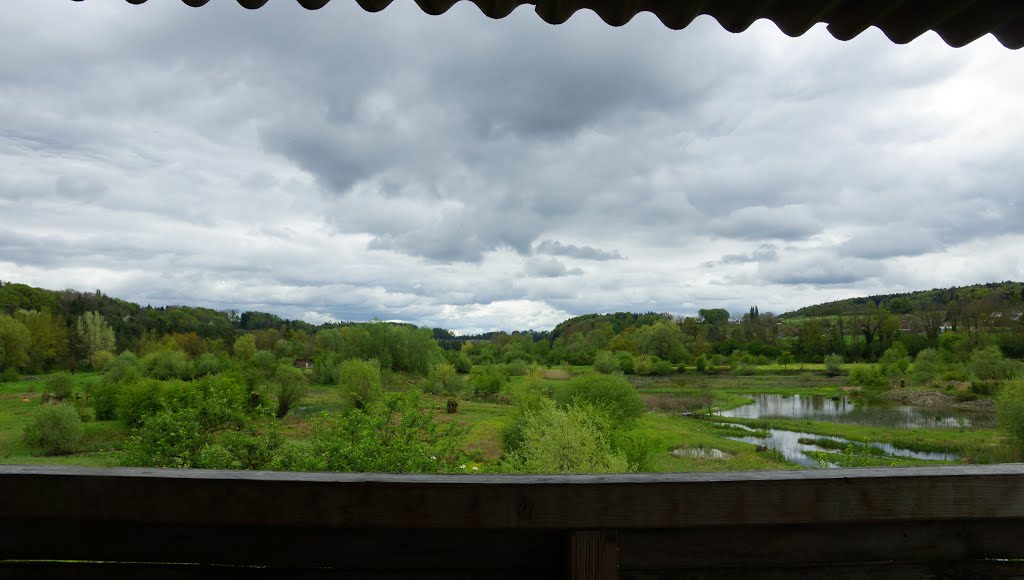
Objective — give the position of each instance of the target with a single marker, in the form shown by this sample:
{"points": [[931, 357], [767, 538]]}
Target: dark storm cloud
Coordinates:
{"points": [[556, 248]]}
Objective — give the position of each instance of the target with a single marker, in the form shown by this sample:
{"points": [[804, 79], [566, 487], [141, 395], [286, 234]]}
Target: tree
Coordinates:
{"points": [[245, 347], [895, 361], [49, 342], [94, 334], [785, 359], [15, 341]]}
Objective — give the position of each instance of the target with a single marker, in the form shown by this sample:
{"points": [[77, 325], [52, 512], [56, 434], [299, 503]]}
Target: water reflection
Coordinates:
{"points": [[860, 412], [789, 444]]}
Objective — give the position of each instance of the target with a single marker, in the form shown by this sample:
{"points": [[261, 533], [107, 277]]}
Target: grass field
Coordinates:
{"points": [[682, 443]]}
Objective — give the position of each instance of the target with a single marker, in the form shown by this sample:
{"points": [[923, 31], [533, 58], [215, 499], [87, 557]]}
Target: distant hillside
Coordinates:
{"points": [[997, 296]]}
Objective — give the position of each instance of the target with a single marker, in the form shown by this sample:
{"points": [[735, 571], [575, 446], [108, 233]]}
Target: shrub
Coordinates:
{"points": [[895, 361], [743, 369], [988, 363], [54, 430], [701, 364], [102, 397], [927, 366], [360, 381], [168, 364], [459, 360], [398, 434], [609, 394], [488, 380], [517, 368], [289, 388], [869, 378], [208, 364], [1010, 408], [139, 399], [60, 385], [571, 440], [834, 365], [100, 359], [125, 366], [605, 362], [443, 379], [625, 361]]}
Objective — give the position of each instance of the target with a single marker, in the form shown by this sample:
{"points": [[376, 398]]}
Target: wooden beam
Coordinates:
{"points": [[650, 501]]}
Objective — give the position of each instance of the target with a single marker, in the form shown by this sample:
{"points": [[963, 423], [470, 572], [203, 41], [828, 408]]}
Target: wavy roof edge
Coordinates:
{"points": [[957, 22]]}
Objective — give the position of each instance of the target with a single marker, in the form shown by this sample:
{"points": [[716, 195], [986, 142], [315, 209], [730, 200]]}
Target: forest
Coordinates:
{"points": [[89, 379]]}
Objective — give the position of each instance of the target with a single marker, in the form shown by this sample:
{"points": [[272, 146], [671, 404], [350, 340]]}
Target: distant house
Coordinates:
{"points": [[303, 363]]}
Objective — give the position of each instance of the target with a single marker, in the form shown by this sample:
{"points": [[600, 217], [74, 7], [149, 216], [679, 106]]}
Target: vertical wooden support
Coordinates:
{"points": [[594, 555]]}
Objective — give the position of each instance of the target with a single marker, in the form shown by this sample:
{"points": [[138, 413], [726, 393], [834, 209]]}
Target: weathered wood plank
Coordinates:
{"points": [[593, 555], [407, 551], [134, 571], [360, 501], [807, 545]]}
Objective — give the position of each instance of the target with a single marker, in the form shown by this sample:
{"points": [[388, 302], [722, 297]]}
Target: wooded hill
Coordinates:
{"points": [[995, 297]]}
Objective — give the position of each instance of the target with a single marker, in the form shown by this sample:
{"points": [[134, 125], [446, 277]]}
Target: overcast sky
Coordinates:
{"points": [[482, 174]]}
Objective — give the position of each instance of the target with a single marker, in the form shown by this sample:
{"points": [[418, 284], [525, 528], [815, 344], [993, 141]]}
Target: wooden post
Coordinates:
{"points": [[594, 555]]}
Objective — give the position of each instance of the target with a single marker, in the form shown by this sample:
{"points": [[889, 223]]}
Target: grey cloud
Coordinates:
{"points": [[898, 239], [549, 268], [765, 253], [821, 269], [556, 248], [758, 223]]}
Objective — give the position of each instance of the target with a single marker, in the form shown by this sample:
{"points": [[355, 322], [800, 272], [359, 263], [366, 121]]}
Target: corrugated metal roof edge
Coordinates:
{"points": [[957, 22]]}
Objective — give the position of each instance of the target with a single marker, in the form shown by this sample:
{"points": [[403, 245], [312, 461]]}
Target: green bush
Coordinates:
{"points": [[459, 360], [870, 379], [289, 387], [360, 382], [398, 434], [605, 362], [488, 380], [139, 399], [625, 361], [60, 385], [989, 363], [610, 394], [927, 366], [571, 440], [54, 430], [834, 365], [895, 361], [102, 397], [126, 366], [701, 364], [443, 379], [517, 368], [169, 364], [1010, 408]]}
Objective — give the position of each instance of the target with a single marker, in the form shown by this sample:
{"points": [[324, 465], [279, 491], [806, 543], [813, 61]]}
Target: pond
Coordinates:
{"points": [[793, 444], [842, 409]]}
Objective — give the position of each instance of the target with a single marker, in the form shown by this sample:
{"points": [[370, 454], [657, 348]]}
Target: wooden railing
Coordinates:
{"points": [[106, 523]]}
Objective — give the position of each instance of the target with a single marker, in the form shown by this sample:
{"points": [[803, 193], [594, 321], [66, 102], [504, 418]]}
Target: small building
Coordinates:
{"points": [[303, 363]]}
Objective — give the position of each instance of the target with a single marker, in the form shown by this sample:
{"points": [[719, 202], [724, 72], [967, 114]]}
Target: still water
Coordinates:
{"points": [[860, 412], [789, 444]]}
